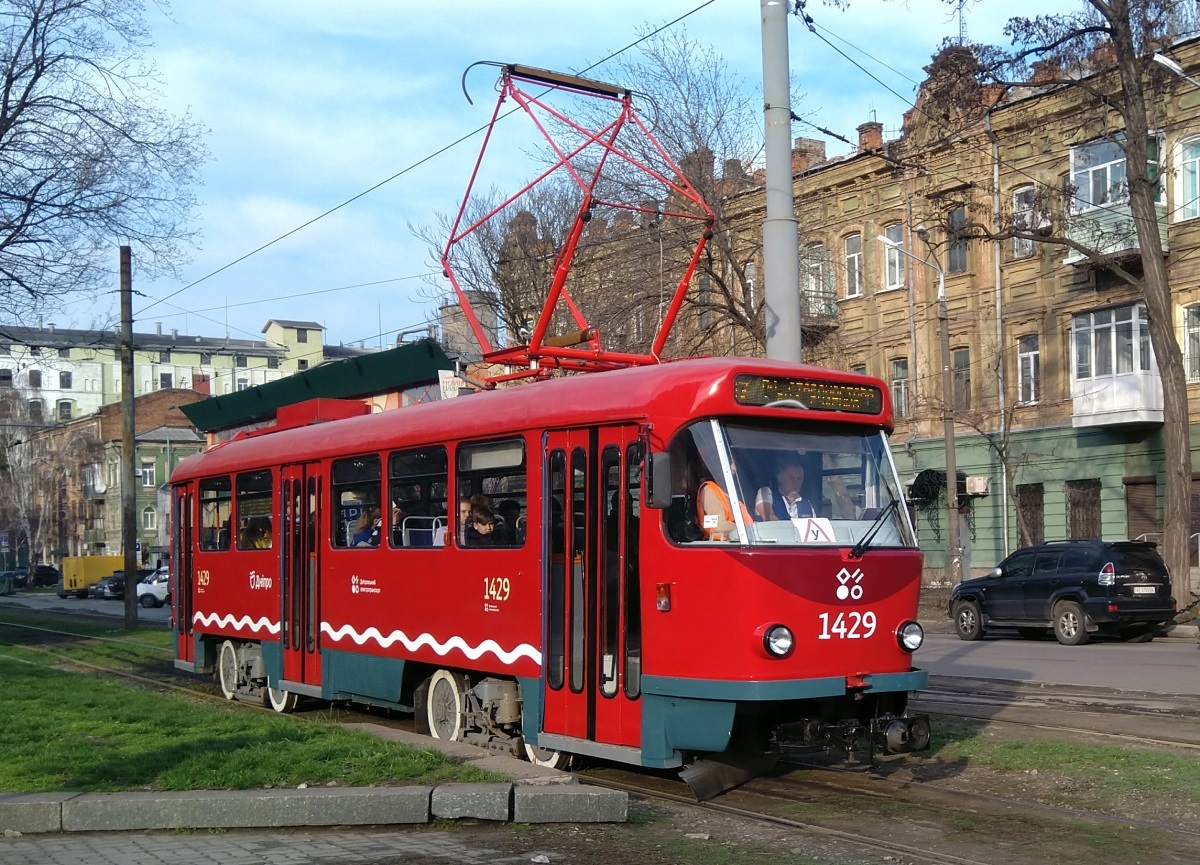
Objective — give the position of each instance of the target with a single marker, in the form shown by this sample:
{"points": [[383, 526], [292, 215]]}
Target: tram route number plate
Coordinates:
{"points": [[1143, 590]]}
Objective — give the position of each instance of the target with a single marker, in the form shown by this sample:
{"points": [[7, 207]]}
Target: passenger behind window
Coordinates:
{"points": [[508, 532], [482, 530], [367, 531]]}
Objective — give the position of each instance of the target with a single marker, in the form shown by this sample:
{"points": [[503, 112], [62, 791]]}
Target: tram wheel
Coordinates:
{"points": [[279, 700], [227, 670], [444, 705], [968, 622], [548, 757], [1069, 624]]}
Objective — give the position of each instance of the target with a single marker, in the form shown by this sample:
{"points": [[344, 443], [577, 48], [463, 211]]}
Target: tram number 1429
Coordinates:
{"points": [[496, 588], [847, 626]]}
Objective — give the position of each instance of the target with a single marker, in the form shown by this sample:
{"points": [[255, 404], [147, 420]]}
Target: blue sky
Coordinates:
{"points": [[311, 104]]}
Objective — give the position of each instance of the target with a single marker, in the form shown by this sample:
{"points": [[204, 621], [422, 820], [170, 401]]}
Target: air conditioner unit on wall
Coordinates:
{"points": [[978, 485]]}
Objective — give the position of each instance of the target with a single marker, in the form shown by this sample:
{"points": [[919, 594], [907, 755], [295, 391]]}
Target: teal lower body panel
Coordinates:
{"points": [[673, 725], [370, 678]]}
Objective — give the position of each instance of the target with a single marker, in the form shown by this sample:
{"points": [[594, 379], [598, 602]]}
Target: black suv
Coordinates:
{"points": [[1076, 588]]}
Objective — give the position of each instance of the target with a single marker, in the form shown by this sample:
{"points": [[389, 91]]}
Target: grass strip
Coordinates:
{"points": [[67, 731]]}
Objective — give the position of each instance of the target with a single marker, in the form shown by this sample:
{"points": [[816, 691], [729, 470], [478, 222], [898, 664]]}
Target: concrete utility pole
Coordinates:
{"points": [[781, 236], [128, 491]]}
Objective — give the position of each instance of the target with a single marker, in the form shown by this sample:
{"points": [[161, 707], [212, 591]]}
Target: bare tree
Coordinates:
{"points": [[86, 157], [22, 518]]}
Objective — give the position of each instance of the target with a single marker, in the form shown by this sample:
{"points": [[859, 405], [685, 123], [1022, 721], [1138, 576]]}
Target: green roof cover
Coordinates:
{"points": [[409, 365]]}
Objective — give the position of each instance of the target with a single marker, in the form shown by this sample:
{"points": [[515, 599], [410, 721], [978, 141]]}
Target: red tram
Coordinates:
{"points": [[604, 616]]}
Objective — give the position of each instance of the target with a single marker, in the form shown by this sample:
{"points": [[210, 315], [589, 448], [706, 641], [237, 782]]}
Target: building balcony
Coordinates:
{"points": [[1108, 229], [92, 537], [1116, 400], [818, 312]]}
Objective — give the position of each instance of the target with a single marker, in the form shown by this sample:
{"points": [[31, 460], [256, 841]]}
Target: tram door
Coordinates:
{"points": [[300, 574], [592, 617], [181, 586]]}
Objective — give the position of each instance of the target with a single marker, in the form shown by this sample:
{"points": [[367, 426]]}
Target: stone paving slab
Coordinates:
{"points": [[477, 801]]}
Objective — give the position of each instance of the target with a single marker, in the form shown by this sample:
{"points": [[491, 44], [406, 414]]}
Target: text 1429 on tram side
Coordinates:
{"points": [[653, 565]]}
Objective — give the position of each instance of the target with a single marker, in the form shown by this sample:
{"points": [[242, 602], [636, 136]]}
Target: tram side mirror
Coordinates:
{"points": [[658, 494]]}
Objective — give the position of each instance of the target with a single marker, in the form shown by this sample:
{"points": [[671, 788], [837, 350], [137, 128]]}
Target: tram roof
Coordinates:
{"points": [[683, 389], [399, 368]]}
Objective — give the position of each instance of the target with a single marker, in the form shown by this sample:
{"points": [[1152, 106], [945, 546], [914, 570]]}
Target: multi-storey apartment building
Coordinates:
{"points": [[1055, 390]]}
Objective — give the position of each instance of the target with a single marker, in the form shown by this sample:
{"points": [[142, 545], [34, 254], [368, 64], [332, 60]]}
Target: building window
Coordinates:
{"points": [[956, 257], [239, 360], [704, 303], [895, 264], [751, 282], [961, 361], [1187, 187], [1029, 366], [35, 350], [1111, 342], [900, 387], [206, 357], [64, 381], [6, 377], [164, 357], [5, 349], [853, 246], [1191, 342], [272, 363], [64, 411], [35, 379], [301, 334], [148, 473], [301, 365], [1023, 219], [816, 289], [859, 369], [64, 352], [149, 519], [35, 410], [1098, 173], [243, 383], [1083, 508], [1031, 513], [165, 380]]}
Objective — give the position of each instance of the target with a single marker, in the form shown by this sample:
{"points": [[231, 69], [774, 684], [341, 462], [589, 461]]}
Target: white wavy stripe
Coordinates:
{"points": [[473, 652], [210, 619]]}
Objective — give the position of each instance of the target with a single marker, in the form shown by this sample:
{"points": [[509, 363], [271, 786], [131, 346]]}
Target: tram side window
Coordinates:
{"points": [[216, 510], [355, 485], [254, 510], [417, 484], [492, 476]]}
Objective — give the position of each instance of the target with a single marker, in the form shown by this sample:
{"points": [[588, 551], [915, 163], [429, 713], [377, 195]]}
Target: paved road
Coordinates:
{"points": [[39, 601], [1165, 666]]}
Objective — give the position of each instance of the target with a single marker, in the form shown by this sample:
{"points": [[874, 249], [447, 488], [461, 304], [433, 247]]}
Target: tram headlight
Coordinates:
{"points": [[778, 641], [910, 635]]}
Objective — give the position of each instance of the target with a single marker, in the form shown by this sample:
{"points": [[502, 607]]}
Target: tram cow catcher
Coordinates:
{"points": [[699, 564]]}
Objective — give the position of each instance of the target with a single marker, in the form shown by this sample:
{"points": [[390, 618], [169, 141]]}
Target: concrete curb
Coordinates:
{"points": [[40, 813]]}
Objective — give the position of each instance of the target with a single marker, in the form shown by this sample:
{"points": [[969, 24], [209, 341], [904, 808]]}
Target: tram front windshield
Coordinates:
{"points": [[770, 485]]}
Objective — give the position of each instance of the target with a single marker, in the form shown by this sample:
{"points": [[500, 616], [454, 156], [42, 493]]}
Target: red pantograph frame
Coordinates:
{"points": [[539, 358]]}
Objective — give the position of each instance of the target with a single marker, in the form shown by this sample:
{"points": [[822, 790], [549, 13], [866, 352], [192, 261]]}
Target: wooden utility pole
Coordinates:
{"points": [[128, 490]]}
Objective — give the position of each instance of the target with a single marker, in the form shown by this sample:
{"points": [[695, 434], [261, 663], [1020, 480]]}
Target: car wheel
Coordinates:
{"points": [[1070, 627], [968, 623], [148, 601]]}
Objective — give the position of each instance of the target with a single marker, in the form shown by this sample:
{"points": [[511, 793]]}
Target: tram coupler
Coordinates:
{"points": [[900, 735]]}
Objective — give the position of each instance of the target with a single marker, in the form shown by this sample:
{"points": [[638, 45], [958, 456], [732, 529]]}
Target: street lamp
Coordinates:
{"points": [[956, 574], [1165, 61]]}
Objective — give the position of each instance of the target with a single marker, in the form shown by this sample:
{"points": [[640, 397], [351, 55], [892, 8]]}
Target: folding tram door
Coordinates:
{"points": [[591, 608], [300, 578], [181, 586]]}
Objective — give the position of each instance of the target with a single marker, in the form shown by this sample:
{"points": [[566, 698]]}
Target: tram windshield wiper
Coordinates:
{"points": [[858, 549]]}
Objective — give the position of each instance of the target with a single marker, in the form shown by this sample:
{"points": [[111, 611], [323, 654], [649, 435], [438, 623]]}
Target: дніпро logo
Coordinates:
{"points": [[850, 584]]}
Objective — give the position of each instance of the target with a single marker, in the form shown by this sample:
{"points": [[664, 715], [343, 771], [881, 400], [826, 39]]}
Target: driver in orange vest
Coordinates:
{"points": [[715, 512]]}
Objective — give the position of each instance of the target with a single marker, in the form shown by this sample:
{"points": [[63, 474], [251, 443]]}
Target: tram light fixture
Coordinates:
{"points": [[910, 635], [779, 641], [662, 597]]}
